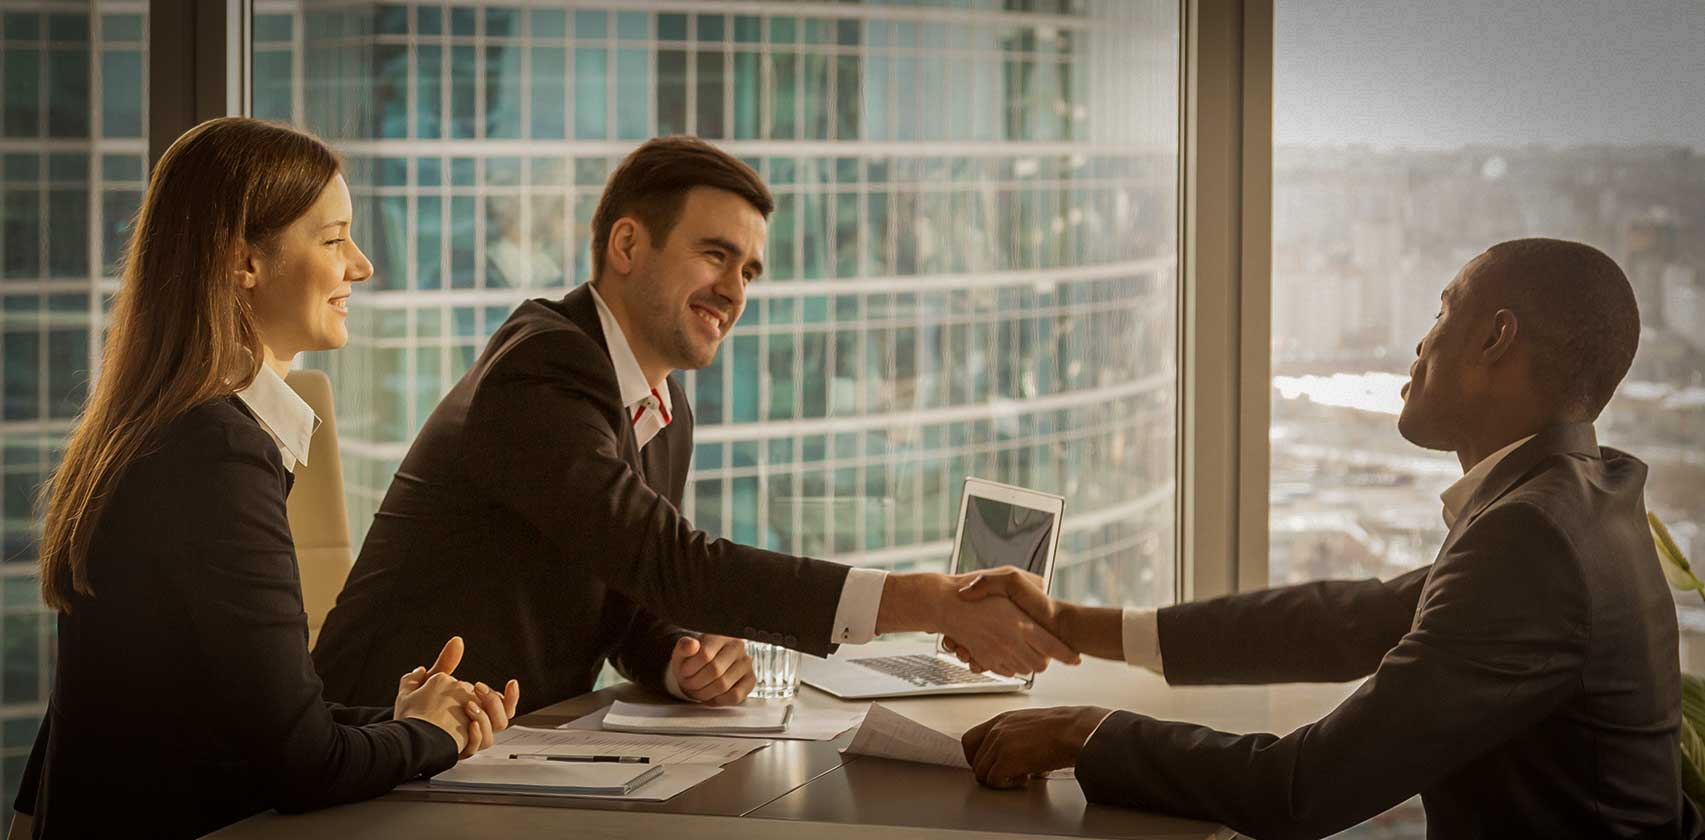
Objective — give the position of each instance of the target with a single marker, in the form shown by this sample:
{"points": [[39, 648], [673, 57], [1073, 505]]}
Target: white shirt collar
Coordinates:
{"points": [[636, 392], [283, 414], [1456, 496]]}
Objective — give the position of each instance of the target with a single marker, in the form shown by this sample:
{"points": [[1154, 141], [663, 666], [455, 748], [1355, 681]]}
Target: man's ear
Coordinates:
{"points": [[1501, 337], [248, 267], [626, 238]]}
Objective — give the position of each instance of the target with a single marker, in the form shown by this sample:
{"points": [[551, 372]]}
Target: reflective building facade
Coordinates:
{"points": [[971, 267], [72, 150]]}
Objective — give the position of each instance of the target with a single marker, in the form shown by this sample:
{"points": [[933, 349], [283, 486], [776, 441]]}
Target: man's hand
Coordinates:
{"points": [[1093, 631], [1010, 748], [713, 670], [993, 631], [1024, 590], [1017, 585]]}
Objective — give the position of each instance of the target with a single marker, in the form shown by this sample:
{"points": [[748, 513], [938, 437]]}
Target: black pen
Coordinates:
{"points": [[608, 759]]}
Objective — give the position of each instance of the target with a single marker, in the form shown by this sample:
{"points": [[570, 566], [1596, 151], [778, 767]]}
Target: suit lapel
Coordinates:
{"points": [[580, 309], [1570, 439], [662, 472], [655, 457]]}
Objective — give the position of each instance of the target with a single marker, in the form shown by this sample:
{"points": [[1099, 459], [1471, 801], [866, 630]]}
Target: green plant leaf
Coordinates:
{"points": [[1677, 570], [1693, 699], [1681, 576], [1692, 745]]}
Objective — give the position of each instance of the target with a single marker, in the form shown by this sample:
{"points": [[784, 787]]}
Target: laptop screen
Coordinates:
{"points": [[998, 533]]}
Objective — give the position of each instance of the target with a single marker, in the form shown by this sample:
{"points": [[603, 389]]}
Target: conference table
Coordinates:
{"points": [[810, 789]]}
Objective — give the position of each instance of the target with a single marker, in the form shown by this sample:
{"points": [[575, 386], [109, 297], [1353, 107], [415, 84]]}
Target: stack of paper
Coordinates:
{"points": [[568, 778], [684, 762], [689, 719], [659, 749], [807, 723]]}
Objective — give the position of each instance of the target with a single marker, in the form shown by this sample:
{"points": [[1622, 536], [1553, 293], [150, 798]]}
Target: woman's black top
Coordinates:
{"points": [[183, 697]]}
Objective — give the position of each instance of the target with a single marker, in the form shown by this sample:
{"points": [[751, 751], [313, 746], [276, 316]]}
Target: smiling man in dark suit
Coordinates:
{"points": [[543, 493], [1526, 684]]}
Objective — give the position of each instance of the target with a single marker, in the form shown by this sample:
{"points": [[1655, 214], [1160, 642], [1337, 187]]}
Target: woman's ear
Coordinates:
{"points": [[248, 267]]}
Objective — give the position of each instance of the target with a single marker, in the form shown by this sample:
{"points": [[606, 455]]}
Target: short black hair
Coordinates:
{"points": [[1576, 309], [652, 183]]}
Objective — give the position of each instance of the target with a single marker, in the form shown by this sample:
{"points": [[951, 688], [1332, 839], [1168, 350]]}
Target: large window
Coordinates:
{"points": [[973, 261], [71, 171], [1411, 136]]}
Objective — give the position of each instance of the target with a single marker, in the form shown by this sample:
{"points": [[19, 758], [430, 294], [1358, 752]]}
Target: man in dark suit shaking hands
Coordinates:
{"points": [[1526, 684], [543, 492]]}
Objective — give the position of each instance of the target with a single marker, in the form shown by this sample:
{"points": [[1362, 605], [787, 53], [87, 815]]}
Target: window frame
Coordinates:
{"points": [[1224, 355], [199, 55]]}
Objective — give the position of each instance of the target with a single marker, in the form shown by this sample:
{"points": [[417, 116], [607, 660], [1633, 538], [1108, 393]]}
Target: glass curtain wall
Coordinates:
{"points": [[72, 158], [972, 265]]}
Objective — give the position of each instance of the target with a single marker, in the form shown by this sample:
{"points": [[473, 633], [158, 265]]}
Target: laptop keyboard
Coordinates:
{"points": [[922, 670]]}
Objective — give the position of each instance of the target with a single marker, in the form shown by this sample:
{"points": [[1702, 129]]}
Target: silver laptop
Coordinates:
{"points": [[999, 525]]}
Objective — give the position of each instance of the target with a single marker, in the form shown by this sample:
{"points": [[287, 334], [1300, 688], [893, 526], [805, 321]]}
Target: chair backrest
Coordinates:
{"points": [[319, 522]]}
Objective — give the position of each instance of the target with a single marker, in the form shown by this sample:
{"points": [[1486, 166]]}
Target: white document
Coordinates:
{"points": [[807, 724], [693, 719], [889, 734], [661, 749], [886, 733]]}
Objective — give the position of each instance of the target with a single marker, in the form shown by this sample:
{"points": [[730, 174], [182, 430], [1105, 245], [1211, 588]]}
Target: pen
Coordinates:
{"points": [[611, 759]]}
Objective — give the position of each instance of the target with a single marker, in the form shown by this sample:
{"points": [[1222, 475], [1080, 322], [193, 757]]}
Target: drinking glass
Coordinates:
{"points": [[776, 669]]}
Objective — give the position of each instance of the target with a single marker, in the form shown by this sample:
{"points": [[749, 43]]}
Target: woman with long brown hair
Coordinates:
{"points": [[184, 697]]}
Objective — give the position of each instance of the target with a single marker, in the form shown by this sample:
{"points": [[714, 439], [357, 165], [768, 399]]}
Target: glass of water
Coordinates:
{"points": [[776, 669]]}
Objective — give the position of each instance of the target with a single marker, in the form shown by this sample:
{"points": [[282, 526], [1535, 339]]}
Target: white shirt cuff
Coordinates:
{"points": [[861, 598], [1097, 729], [1140, 631]]}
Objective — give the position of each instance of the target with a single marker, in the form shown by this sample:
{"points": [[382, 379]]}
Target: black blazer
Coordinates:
{"points": [[524, 518], [183, 697], [1526, 684]]}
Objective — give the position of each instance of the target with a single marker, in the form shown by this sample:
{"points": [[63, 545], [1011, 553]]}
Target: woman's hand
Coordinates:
{"points": [[443, 701], [472, 713]]}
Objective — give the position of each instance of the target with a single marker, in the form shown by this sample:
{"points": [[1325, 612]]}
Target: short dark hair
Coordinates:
{"points": [[1576, 307], [653, 181]]}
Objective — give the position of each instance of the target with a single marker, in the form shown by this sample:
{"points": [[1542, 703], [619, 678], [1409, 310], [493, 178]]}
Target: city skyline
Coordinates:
{"points": [[1364, 239]]}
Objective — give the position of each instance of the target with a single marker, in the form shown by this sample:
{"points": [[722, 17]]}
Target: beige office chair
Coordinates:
{"points": [[318, 520]]}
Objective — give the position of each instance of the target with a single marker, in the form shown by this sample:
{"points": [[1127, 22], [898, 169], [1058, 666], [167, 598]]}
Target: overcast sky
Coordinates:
{"points": [[1443, 73]]}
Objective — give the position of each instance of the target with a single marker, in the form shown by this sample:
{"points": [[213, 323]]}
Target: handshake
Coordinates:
{"points": [[998, 620]]}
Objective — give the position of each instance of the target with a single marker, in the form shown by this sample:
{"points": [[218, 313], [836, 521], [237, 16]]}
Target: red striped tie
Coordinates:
{"points": [[660, 409]]}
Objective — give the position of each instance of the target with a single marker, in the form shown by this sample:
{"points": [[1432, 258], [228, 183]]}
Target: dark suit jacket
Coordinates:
{"points": [[525, 520], [1526, 684], [183, 697]]}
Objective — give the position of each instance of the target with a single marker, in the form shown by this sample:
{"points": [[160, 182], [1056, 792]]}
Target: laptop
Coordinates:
{"points": [[999, 525]]}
